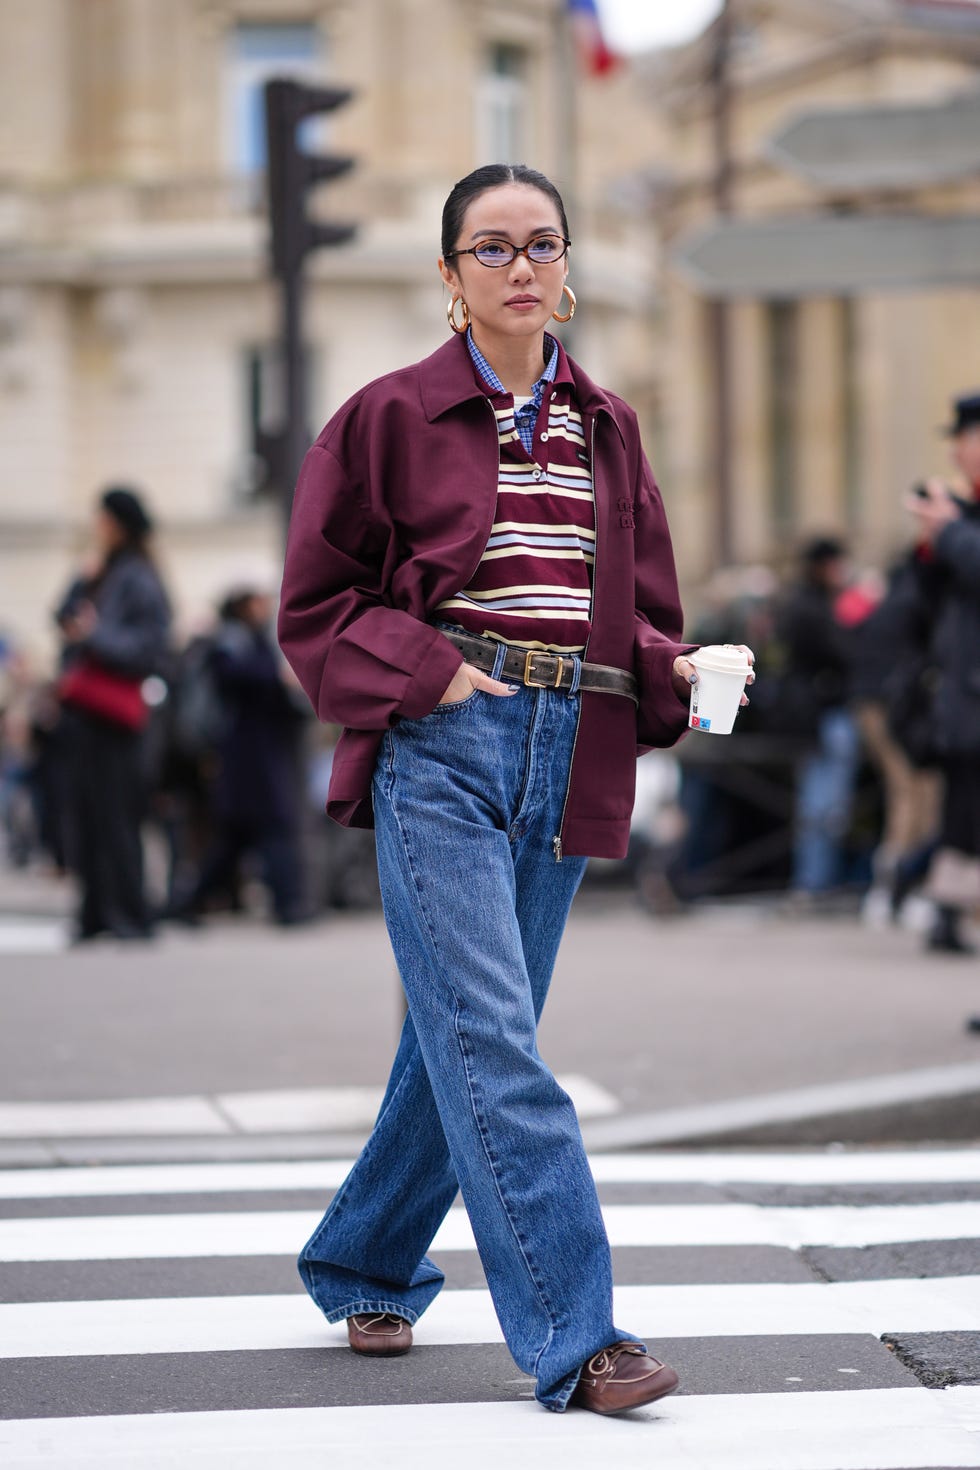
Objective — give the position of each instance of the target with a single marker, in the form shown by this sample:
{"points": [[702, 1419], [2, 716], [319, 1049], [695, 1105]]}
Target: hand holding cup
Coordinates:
{"points": [[718, 675]]}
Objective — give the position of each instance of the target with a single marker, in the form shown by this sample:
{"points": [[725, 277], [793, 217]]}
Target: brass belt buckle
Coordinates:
{"points": [[529, 678]]}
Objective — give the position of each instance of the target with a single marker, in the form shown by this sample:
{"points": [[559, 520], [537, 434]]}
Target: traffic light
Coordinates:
{"points": [[292, 173]]}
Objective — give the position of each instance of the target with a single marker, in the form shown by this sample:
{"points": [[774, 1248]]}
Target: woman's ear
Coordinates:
{"points": [[448, 276]]}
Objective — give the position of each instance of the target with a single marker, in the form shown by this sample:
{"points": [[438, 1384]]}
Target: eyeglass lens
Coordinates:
{"points": [[542, 251]]}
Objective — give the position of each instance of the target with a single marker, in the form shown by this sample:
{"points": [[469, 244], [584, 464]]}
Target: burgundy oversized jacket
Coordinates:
{"points": [[393, 511]]}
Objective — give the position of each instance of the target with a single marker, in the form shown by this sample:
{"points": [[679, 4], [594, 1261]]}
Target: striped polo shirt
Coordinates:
{"points": [[533, 586]]}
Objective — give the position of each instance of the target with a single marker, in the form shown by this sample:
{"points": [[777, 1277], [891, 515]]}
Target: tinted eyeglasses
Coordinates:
{"points": [[542, 250]]}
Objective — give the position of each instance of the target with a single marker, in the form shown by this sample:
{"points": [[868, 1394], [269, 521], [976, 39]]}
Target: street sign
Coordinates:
{"points": [[829, 255], [857, 148]]}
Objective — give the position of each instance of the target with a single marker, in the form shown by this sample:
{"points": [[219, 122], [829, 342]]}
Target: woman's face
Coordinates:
{"points": [[515, 300], [107, 532]]}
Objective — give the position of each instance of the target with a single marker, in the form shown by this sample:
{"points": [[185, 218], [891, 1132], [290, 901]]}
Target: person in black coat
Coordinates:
{"points": [[255, 797], [947, 566], [114, 622]]}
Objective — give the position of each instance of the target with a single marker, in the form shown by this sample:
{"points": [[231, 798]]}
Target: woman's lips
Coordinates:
{"points": [[522, 303]]}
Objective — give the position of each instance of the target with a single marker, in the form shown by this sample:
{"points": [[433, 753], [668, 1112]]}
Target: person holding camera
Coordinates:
{"points": [[947, 569]]}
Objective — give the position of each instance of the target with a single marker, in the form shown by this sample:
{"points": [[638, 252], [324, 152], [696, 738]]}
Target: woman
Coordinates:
{"points": [[479, 585], [114, 620]]}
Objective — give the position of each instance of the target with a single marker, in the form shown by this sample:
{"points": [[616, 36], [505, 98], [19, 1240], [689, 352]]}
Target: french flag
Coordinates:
{"points": [[595, 57]]}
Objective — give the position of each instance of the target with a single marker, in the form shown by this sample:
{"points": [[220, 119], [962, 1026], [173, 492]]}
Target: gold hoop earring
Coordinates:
{"points": [[566, 291], [451, 315]]}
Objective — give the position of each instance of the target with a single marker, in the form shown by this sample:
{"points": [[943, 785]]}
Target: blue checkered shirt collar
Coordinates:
{"points": [[490, 377], [525, 417]]}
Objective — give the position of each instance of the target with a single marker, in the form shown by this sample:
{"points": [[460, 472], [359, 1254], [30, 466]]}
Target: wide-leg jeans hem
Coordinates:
{"points": [[556, 1399], [375, 1306]]}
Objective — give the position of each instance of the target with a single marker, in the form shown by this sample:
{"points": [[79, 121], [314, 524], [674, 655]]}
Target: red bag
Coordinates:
{"points": [[99, 691]]}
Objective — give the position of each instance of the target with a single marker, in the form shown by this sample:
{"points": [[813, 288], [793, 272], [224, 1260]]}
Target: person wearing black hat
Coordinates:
{"points": [[947, 565], [114, 622]]}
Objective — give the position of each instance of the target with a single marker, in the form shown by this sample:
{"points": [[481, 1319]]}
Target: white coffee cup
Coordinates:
{"points": [[722, 672]]}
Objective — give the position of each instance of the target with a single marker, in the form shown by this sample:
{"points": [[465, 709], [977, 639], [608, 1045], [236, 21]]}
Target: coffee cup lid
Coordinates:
{"points": [[721, 658]]}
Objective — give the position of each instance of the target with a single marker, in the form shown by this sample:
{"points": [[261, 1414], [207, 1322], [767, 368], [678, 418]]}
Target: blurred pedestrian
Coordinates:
{"points": [[255, 717], [889, 643], [114, 622], [947, 566], [815, 688], [438, 601]]}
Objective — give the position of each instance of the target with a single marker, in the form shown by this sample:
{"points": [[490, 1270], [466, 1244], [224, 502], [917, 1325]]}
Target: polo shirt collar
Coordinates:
{"points": [[446, 379]]}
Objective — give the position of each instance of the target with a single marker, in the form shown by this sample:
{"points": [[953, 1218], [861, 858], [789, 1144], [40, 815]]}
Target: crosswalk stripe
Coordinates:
{"points": [[225, 1324], [848, 1431], [279, 1232], [946, 1166]]}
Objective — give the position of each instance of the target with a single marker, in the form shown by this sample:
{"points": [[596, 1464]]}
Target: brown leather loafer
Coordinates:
{"points": [[623, 1376], [379, 1334]]}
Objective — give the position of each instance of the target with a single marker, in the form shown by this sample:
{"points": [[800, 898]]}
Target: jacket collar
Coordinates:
{"points": [[446, 379]]}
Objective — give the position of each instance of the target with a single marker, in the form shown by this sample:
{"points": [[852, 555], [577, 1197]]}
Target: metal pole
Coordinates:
{"points": [[719, 312], [567, 151], [294, 436]]}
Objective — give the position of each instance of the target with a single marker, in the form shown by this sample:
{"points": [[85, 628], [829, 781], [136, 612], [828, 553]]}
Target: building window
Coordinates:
{"points": [[783, 373], [502, 112], [256, 54]]}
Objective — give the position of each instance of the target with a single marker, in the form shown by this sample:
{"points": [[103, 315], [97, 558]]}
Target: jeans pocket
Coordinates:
{"points": [[447, 707]]}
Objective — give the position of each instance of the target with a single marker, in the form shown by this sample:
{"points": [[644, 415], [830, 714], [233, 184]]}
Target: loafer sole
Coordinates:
{"points": [[398, 1352]]}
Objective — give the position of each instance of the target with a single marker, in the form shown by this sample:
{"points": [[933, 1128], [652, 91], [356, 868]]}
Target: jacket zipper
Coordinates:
{"points": [[557, 842]]}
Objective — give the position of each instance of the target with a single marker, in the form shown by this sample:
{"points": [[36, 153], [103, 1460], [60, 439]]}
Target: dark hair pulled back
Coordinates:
{"points": [[491, 176]]}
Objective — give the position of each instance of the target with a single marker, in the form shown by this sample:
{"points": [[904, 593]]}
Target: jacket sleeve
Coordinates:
{"points": [[130, 636], [362, 662], [958, 547], [662, 717]]}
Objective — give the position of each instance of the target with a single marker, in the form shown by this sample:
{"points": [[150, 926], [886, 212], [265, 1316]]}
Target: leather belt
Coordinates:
{"points": [[539, 670]]}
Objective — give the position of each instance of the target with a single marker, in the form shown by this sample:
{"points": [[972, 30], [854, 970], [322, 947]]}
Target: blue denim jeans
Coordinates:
{"points": [[825, 794], [467, 803]]}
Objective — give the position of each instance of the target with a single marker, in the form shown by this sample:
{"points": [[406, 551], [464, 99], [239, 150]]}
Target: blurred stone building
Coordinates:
{"points": [[136, 320], [835, 400]]}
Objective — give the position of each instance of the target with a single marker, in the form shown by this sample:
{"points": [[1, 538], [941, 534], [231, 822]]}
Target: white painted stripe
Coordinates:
{"points": [[831, 1166], [131, 1116], [309, 1109], [108, 1180], [114, 1237], [940, 1166], [278, 1323], [32, 936], [853, 1430]]}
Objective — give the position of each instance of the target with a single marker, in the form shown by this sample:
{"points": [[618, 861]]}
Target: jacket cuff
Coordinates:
{"points": [[438, 663], [662, 715]]}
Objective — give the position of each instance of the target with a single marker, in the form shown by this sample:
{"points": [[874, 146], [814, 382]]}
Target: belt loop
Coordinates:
{"points": [[576, 674], [498, 663]]}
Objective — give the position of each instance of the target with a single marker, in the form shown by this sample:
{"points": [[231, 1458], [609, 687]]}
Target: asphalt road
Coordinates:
{"points": [[662, 1014]]}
